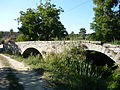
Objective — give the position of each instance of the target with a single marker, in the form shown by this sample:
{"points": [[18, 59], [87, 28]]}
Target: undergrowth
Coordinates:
{"points": [[71, 70], [115, 42]]}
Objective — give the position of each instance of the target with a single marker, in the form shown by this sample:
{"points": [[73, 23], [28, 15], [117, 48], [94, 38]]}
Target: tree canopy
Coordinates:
{"points": [[106, 23], [82, 32], [42, 23]]}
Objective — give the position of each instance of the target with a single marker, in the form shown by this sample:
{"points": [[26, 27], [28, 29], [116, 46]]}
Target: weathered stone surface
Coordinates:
{"points": [[45, 47]]}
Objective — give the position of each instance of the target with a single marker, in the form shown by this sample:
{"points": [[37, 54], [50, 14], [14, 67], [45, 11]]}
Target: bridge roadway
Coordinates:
{"points": [[45, 47]]}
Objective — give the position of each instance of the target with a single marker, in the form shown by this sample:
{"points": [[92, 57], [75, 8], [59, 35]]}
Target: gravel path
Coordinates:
{"points": [[27, 78]]}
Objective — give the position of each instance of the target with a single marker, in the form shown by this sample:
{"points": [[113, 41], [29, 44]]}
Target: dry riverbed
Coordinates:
{"points": [[16, 75]]}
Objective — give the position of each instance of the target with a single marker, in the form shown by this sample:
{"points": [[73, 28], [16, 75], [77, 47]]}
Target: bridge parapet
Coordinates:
{"points": [[112, 51]]}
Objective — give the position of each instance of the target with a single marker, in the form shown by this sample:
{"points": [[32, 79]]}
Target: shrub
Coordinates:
{"points": [[22, 37], [114, 80], [34, 61], [72, 70]]}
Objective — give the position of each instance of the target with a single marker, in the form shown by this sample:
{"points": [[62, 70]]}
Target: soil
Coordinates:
{"points": [[28, 78]]}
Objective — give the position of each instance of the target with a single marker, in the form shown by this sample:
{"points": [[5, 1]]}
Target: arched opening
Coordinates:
{"points": [[31, 51], [99, 58]]}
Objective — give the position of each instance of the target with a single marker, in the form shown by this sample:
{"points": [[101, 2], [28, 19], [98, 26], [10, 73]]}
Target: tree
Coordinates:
{"points": [[72, 33], [82, 33], [1, 34], [11, 31], [106, 23], [42, 23]]}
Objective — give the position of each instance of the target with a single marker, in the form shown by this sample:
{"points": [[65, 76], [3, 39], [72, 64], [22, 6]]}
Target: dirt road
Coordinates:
{"points": [[26, 78], [4, 83]]}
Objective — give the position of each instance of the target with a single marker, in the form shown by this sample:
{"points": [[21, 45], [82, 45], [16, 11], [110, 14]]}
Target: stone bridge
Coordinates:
{"points": [[45, 47]]}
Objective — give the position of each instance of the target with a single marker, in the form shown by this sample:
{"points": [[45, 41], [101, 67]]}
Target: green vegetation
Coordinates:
{"points": [[8, 35], [80, 36], [113, 81], [72, 71], [42, 23], [82, 33], [22, 37], [106, 22], [115, 42]]}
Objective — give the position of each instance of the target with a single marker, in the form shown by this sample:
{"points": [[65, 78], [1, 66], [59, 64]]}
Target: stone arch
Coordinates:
{"points": [[31, 50], [100, 49], [100, 58]]}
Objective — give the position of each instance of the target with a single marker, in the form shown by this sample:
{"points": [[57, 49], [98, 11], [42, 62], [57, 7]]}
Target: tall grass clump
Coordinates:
{"points": [[113, 80], [35, 62], [115, 42], [71, 71]]}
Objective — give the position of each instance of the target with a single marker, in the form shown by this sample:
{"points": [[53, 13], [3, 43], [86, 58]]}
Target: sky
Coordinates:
{"points": [[77, 13]]}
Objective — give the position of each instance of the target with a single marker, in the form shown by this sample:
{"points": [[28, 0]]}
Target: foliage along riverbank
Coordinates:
{"points": [[71, 70]]}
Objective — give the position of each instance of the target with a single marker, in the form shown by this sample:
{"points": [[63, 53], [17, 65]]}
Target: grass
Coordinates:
{"points": [[115, 42], [71, 71], [35, 62], [16, 57]]}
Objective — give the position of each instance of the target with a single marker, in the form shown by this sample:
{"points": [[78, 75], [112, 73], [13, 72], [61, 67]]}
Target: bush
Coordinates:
{"points": [[73, 71], [114, 80], [34, 61], [22, 37]]}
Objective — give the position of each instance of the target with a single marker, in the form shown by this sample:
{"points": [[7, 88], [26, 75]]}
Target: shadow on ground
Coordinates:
{"points": [[11, 79]]}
